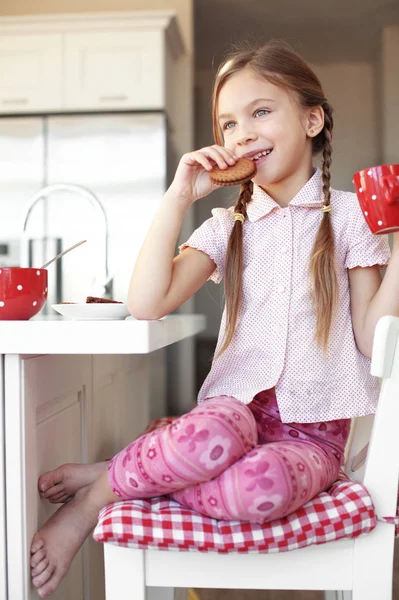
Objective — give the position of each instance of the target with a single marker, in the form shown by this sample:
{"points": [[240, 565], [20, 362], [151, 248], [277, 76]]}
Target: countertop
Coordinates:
{"points": [[56, 335]]}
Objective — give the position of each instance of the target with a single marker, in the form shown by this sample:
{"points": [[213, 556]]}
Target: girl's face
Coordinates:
{"points": [[263, 122]]}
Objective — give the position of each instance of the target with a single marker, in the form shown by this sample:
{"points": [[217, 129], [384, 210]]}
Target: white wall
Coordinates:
{"points": [[390, 94], [350, 90]]}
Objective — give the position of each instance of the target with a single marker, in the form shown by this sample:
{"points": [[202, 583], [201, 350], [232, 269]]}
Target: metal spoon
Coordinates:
{"points": [[62, 253]]}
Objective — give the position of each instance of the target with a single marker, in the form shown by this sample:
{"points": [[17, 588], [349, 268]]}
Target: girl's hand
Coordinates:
{"points": [[192, 180]]}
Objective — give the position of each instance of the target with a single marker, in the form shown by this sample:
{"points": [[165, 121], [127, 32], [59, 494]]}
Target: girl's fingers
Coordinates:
{"points": [[220, 155], [228, 155], [211, 155], [201, 159]]}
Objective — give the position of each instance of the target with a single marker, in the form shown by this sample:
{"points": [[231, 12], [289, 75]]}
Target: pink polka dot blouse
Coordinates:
{"points": [[273, 345]]}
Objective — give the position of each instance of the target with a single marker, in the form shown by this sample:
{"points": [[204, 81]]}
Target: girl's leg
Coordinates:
{"points": [[58, 541], [294, 462], [60, 484], [194, 448], [268, 483]]}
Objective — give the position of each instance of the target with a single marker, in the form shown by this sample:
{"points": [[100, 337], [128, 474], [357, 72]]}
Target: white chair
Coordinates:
{"points": [[361, 568]]}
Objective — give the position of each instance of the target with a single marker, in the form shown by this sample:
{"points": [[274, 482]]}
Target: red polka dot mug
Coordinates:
{"points": [[377, 190], [23, 292]]}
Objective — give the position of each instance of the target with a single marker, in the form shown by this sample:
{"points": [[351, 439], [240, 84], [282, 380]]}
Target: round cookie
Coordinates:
{"points": [[242, 171]]}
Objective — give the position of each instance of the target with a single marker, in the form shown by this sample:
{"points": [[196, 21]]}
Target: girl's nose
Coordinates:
{"points": [[245, 137]]}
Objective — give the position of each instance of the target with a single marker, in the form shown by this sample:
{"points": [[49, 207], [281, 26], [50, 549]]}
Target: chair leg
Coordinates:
{"points": [[373, 564], [124, 573]]}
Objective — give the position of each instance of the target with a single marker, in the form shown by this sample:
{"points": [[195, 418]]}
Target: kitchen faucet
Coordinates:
{"points": [[45, 192]]}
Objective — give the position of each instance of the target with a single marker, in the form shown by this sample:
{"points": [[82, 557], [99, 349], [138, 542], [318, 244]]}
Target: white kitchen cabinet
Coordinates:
{"points": [[55, 395], [122, 402], [76, 409], [71, 392], [98, 62], [119, 414], [114, 70], [31, 72]]}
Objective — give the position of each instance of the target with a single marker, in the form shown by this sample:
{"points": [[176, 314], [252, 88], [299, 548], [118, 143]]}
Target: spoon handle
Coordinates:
{"points": [[62, 253]]}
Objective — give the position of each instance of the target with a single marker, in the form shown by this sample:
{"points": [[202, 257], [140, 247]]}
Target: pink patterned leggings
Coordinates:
{"points": [[231, 461]]}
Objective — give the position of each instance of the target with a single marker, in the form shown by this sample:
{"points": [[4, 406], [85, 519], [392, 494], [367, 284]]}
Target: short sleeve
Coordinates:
{"points": [[212, 238], [365, 249]]}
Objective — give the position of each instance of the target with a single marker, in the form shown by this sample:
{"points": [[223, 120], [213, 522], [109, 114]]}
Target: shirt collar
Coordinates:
{"points": [[310, 195]]}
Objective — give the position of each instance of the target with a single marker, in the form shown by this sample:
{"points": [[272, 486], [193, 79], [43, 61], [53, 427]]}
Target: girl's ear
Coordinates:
{"points": [[315, 121]]}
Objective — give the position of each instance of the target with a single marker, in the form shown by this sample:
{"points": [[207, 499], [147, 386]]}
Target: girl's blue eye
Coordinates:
{"points": [[262, 110], [227, 125]]}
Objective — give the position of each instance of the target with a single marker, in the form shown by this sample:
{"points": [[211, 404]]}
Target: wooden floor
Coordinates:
{"points": [[282, 595]]}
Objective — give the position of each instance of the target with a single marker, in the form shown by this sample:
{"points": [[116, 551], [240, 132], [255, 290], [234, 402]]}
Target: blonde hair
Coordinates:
{"points": [[277, 63]]}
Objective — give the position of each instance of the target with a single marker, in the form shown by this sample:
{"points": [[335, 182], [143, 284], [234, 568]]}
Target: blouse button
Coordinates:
{"points": [[284, 249], [281, 288]]}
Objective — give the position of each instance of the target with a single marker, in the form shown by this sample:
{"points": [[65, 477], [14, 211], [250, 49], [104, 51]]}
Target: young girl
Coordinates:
{"points": [[303, 296]]}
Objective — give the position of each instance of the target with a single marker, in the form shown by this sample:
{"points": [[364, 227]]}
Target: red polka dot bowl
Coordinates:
{"points": [[23, 292]]}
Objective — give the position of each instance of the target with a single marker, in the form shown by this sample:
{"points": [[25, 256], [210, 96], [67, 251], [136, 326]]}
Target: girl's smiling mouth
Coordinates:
{"points": [[259, 157]]}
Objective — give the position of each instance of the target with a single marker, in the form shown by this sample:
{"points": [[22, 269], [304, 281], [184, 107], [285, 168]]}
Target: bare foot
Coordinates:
{"points": [[61, 484], [56, 544]]}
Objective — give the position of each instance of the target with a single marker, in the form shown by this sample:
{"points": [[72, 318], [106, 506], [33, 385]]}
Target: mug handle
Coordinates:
{"points": [[390, 185]]}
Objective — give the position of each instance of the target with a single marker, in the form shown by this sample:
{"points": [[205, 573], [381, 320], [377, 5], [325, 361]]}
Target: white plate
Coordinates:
{"points": [[92, 312]]}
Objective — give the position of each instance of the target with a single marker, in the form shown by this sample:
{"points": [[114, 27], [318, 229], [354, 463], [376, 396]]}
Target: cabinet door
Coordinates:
{"points": [[120, 413], [58, 397], [114, 70], [47, 401], [31, 76], [121, 405]]}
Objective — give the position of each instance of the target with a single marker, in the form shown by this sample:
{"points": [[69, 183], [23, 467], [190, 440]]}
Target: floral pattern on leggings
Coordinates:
{"points": [[196, 447], [233, 461]]}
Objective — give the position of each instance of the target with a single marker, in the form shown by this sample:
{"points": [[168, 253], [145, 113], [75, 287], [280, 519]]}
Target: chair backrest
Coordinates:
{"points": [[380, 470], [357, 447]]}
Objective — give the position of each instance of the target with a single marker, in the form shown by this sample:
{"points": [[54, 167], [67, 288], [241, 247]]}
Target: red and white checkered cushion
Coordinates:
{"points": [[345, 510]]}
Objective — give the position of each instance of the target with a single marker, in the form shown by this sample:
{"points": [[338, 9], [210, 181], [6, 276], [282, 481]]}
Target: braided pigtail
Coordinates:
{"points": [[322, 264], [234, 264]]}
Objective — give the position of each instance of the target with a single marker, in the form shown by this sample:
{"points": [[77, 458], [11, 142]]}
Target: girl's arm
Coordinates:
{"points": [[373, 297], [160, 283]]}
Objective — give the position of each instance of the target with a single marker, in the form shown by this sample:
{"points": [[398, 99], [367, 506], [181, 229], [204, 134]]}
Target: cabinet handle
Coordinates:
{"points": [[15, 101], [120, 98]]}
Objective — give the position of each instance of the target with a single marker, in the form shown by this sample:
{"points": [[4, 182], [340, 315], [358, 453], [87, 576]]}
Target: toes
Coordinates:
{"points": [[45, 482], [51, 585], [54, 490], [37, 543], [50, 479], [59, 499], [40, 567], [50, 484], [37, 557], [44, 576]]}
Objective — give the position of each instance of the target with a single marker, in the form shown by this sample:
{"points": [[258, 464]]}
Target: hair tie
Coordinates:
{"points": [[239, 217], [326, 209]]}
